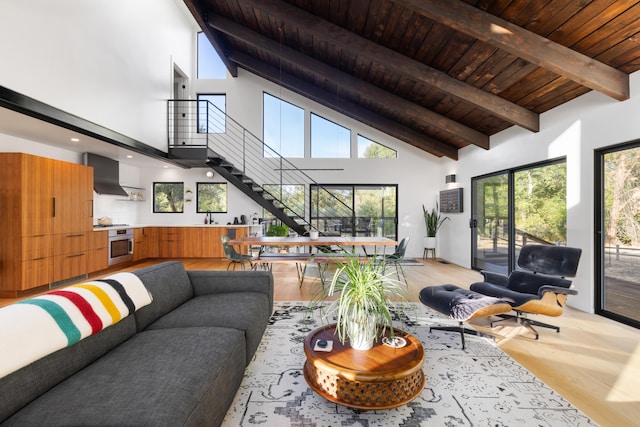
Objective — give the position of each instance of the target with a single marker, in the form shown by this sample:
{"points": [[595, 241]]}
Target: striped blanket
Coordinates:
{"points": [[33, 328]]}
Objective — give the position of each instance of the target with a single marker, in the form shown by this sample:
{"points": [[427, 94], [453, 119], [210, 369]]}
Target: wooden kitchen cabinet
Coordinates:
{"points": [[46, 212], [72, 219], [71, 252], [73, 198], [69, 266], [140, 244], [98, 254], [170, 242], [30, 181], [187, 242]]}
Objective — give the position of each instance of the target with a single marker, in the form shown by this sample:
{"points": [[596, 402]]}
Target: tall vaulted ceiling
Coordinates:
{"points": [[437, 74]]}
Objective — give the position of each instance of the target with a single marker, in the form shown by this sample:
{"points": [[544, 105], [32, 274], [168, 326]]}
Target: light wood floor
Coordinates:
{"points": [[593, 362]]}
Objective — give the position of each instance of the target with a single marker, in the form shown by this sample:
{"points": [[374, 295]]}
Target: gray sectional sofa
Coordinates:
{"points": [[176, 362]]}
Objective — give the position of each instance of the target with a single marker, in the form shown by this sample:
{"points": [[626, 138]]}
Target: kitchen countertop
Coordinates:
{"points": [[124, 227]]}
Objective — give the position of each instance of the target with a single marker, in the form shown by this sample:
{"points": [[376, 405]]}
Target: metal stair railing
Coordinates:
{"points": [[203, 127]]}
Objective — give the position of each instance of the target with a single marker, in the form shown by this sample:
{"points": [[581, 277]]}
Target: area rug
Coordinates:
{"points": [[478, 386], [411, 262]]}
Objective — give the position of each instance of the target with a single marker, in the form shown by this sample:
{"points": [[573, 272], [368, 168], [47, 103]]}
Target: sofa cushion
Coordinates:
{"points": [[216, 282], [245, 311], [170, 287], [163, 377], [24, 385]]}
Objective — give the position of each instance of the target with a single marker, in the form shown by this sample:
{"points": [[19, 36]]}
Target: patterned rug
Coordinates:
{"points": [[478, 386]]}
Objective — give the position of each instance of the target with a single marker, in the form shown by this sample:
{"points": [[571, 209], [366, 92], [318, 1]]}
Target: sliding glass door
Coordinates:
{"points": [[515, 207], [490, 223], [618, 231]]}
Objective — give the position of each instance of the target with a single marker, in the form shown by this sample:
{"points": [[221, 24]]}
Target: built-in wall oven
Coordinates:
{"points": [[120, 245]]}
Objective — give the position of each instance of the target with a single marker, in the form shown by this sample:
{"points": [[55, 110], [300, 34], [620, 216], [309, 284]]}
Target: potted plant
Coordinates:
{"points": [[433, 221], [275, 230], [366, 297]]}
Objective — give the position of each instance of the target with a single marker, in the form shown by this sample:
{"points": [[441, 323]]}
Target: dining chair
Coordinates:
{"points": [[396, 258], [234, 257]]}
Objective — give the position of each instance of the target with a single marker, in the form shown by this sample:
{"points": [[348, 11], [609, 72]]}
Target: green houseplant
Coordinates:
{"points": [[433, 220], [366, 297], [275, 230]]}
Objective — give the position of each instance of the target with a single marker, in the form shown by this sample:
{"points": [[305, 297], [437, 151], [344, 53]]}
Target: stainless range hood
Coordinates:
{"points": [[106, 174]]}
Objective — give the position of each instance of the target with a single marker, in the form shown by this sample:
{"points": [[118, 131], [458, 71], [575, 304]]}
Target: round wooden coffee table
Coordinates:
{"points": [[381, 378]]}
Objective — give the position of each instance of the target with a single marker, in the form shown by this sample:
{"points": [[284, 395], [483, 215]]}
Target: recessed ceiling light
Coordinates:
{"points": [[75, 139], [129, 156]]}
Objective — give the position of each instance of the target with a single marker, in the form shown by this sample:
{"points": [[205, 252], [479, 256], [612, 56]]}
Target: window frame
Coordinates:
{"points": [[269, 146], [155, 196], [223, 111], [339, 147], [354, 219], [199, 191], [215, 61], [360, 136]]}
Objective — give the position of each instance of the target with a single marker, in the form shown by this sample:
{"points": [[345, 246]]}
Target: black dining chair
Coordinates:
{"points": [[234, 257], [396, 258]]}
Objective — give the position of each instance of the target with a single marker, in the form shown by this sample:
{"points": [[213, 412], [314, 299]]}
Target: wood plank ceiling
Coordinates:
{"points": [[439, 75]]}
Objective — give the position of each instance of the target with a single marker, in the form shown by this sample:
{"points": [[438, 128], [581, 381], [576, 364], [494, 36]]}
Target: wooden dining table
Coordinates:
{"points": [[301, 259], [342, 241]]}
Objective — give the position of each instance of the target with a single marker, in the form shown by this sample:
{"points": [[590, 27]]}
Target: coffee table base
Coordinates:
{"points": [[363, 395]]}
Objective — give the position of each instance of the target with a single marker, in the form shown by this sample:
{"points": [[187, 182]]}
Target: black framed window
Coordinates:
{"points": [[168, 197], [211, 197], [355, 210]]}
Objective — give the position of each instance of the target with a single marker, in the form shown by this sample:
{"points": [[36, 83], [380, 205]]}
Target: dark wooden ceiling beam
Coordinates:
{"points": [[350, 109], [217, 43], [347, 40], [347, 83], [524, 44]]}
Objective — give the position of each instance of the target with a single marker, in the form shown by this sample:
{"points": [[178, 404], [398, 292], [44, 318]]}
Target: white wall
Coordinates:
{"points": [[238, 204], [574, 130], [107, 61]]}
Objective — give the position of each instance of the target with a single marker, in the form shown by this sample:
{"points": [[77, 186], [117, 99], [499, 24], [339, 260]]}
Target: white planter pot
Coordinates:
{"points": [[361, 336], [430, 242]]}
